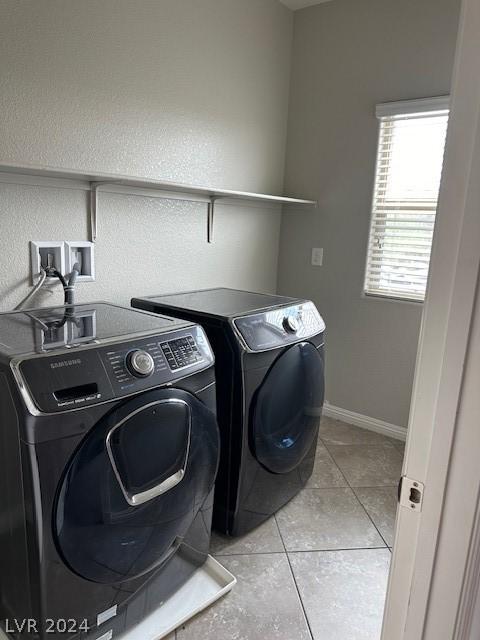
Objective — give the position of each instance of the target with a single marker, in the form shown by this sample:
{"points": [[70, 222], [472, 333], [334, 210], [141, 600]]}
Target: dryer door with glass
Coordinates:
{"points": [[287, 408], [135, 484]]}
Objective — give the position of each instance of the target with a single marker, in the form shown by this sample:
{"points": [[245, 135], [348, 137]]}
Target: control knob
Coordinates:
{"points": [[290, 324], [140, 363]]}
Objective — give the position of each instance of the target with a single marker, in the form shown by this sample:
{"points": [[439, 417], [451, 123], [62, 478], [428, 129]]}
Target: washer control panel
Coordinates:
{"points": [[158, 360], [140, 363], [279, 326], [127, 365], [181, 353], [90, 375]]}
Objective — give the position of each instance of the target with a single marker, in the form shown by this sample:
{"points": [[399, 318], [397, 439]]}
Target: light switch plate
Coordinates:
{"points": [[317, 256]]}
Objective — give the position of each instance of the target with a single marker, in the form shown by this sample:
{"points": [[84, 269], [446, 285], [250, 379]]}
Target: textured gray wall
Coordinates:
{"points": [[192, 91], [349, 55]]}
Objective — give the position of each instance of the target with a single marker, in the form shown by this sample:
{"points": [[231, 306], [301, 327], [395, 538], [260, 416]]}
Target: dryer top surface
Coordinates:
{"points": [[222, 302]]}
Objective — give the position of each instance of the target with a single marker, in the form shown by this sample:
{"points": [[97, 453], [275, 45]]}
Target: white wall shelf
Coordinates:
{"points": [[94, 182]]}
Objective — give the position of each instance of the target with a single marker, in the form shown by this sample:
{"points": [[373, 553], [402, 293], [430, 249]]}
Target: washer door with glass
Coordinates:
{"points": [[135, 484], [287, 409]]}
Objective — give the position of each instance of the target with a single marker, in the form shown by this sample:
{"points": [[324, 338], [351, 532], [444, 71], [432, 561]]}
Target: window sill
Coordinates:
{"points": [[390, 298]]}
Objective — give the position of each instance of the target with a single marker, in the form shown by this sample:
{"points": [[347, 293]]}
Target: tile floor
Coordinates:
{"points": [[318, 569]]}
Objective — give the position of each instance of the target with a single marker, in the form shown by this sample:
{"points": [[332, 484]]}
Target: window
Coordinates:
{"points": [[407, 181]]}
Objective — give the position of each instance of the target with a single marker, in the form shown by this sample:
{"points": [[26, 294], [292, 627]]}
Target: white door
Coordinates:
{"points": [[419, 562]]}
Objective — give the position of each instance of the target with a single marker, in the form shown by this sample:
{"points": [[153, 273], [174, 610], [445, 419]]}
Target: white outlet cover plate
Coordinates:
{"points": [[88, 250], [57, 249]]}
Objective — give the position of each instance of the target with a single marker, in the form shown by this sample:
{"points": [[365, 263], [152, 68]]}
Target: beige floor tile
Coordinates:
{"points": [[381, 505], [338, 432], [264, 539], [325, 472], [368, 466], [401, 447], [320, 519], [343, 592], [264, 604]]}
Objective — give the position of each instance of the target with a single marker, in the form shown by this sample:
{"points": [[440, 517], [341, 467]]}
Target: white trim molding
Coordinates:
{"points": [[365, 422], [423, 105], [431, 547], [468, 620]]}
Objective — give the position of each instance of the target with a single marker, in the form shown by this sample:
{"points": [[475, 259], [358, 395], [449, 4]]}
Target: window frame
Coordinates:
{"points": [[390, 109]]}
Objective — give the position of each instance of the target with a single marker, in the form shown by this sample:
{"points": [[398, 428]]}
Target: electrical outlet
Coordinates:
{"points": [[45, 254], [82, 252], [317, 257]]}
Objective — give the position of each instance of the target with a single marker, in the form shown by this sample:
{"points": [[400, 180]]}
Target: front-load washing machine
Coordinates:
{"points": [[109, 451], [269, 354]]}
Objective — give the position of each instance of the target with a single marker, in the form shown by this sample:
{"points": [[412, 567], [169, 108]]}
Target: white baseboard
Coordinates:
{"points": [[365, 422]]}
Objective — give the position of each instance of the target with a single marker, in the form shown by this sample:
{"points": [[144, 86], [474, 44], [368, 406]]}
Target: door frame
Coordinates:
{"points": [[435, 550]]}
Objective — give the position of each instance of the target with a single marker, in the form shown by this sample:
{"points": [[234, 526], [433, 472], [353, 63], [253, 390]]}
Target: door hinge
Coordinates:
{"points": [[410, 493]]}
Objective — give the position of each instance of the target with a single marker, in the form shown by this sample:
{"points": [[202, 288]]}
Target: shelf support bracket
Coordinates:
{"points": [[93, 210], [210, 219]]}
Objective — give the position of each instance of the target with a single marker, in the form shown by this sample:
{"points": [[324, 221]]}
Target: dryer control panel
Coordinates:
{"points": [[93, 374], [280, 326]]}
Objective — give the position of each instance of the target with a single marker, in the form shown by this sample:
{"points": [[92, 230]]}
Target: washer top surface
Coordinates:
{"points": [[46, 329], [222, 302]]}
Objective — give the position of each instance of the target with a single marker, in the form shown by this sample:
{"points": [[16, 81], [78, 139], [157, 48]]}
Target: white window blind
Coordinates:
{"points": [[407, 181]]}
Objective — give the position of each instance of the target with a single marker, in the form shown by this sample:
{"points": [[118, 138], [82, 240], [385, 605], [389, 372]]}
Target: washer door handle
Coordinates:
{"points": [[135, 499], [144, 496]]}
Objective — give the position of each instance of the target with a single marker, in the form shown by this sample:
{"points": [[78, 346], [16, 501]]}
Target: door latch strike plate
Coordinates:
{"points": [[411, 493]]}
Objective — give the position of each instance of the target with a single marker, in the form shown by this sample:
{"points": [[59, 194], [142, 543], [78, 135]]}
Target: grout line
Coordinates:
{"points": [[389, 445], [374, 486], [272, 553], [329, 455], [338, 467], [247, 553], [329, 452], [358, 444], [359, 501], [369, 516], [325, 488], [307, 621], [375, 445], [352, 486], [335, 550]]}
